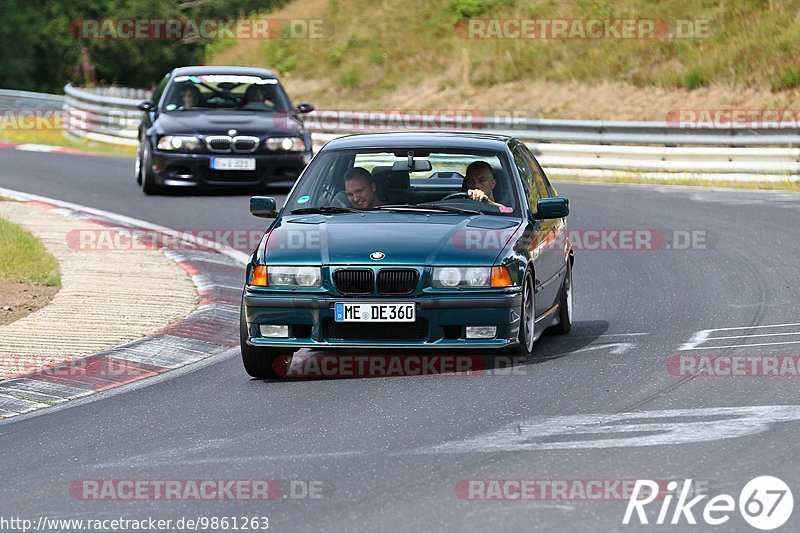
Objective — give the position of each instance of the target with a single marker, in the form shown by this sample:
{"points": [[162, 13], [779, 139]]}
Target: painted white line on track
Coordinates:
{"points": [[703, 337], [753, 336], [696, 340], [623, 430], [619, 348], [744, 345], [755, 327], [607, 335]]}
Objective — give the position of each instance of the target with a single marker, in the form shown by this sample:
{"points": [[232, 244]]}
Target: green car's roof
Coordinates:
{"points": [[461, 140]]}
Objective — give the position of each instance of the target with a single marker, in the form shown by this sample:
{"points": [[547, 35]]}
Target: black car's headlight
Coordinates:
{"points": [[289, 276], [470, 277], [285, 144], [178, 143]]}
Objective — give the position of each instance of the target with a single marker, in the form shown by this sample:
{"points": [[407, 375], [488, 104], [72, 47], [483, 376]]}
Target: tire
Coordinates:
{"points": [[565, 305], [527, 319], [149, 185], [262, 363], [137, 170]]}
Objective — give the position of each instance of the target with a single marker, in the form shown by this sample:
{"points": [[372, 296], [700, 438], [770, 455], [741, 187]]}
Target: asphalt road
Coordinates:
{"points": [[388, 454]]}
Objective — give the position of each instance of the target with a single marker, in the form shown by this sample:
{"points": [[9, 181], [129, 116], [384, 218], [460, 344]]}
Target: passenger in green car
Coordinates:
{"points": [[361, 188]]}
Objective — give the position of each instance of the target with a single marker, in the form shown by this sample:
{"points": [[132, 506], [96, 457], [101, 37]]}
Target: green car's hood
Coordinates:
{"points": [[405, 238]]}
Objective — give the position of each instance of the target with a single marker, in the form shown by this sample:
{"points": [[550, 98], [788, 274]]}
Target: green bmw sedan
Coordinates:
{"points": [[417, 241]]}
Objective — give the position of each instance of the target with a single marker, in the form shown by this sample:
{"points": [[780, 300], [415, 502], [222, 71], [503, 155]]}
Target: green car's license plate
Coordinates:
{"points": [[374, 312]]}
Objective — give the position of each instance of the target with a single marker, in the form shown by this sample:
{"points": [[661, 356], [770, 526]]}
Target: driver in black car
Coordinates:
{"points": [[480, 183], [254, 98]]}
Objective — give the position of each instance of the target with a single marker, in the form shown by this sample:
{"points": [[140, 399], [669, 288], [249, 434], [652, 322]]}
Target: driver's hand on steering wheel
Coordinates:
{"points": [[478, 195]]}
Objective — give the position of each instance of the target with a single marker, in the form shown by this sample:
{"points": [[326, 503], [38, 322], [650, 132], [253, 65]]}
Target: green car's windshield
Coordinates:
{"points": [[410, 180]]}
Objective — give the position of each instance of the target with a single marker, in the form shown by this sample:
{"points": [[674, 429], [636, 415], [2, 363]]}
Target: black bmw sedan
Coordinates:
{"points": [[220, 127]]}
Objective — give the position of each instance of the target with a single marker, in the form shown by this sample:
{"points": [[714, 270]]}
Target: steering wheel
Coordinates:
{"points": [[456, 195]]}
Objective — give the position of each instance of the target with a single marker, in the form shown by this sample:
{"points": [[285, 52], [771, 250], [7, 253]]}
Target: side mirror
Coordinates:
{"points": [[146, 106], [552, 208], [305, 108], [263, 207]]}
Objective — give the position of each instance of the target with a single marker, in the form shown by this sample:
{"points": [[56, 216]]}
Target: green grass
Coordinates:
{"points": [[373, 52], [36, 400], [57, 138], [25, 259], [786, 185]]}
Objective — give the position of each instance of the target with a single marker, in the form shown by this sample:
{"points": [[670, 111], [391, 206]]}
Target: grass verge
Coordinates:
{"points": [[25, 259], [57, 138], [365, 53]]}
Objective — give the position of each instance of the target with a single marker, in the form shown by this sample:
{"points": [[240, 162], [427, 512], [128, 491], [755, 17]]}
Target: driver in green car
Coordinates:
{"points": [[480, 182]]}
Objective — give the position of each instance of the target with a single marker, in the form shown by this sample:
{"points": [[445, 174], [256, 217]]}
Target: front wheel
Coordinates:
{"points": [[137, 169], [148, 177], [527, 319], [262, 363]]}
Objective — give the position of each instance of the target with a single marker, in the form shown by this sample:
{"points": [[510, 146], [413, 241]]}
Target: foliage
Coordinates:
{"points": [[45, 40]]}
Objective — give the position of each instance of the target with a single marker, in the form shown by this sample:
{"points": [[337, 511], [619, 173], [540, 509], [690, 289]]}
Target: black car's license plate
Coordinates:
{"points": [[374, 312], [233, 163]]}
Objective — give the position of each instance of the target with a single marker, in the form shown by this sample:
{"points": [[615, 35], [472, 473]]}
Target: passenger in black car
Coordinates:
{"points": [[190, 97]]}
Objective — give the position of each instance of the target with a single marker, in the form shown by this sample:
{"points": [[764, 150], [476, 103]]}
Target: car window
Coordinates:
{"points": [[160, 89], [536, 172], [541, 179], [438, 177], [226, 91], [526, 173]]}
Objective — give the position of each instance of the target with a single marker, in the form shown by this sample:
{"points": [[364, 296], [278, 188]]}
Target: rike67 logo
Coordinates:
{"points": [[765, 503]]}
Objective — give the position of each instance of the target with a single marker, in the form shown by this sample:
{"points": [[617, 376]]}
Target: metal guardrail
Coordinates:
{"points": [[11, 99], [568, 131], [564, 147]]}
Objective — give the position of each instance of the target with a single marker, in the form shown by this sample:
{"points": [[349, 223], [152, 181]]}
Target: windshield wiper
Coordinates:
{"points": [[325, 210], [430, 207]]}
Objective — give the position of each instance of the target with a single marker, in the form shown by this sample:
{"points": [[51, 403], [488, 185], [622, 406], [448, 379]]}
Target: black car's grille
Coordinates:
{"points": [[244, 144], [397, 280], [354, 280], [384, 331], [219, 144]]}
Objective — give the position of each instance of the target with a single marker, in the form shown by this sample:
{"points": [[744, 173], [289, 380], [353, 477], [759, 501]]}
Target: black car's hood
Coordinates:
{"points": [[218, 122], [404, 238]]}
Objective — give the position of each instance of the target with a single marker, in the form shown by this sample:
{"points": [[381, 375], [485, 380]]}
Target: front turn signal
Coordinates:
{"points": [[501, 277], [259, 276]]}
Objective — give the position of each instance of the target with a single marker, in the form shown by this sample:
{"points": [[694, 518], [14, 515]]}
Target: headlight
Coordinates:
{"points": [[178, 143], [287, 144], [282, 276], [469, 277]]}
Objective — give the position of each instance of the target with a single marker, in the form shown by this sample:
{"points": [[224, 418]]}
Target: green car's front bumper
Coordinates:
{"points": [[440, 321]]}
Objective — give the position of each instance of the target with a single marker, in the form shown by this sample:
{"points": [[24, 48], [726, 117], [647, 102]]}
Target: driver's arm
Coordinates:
{"points": [[480, 196]]}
